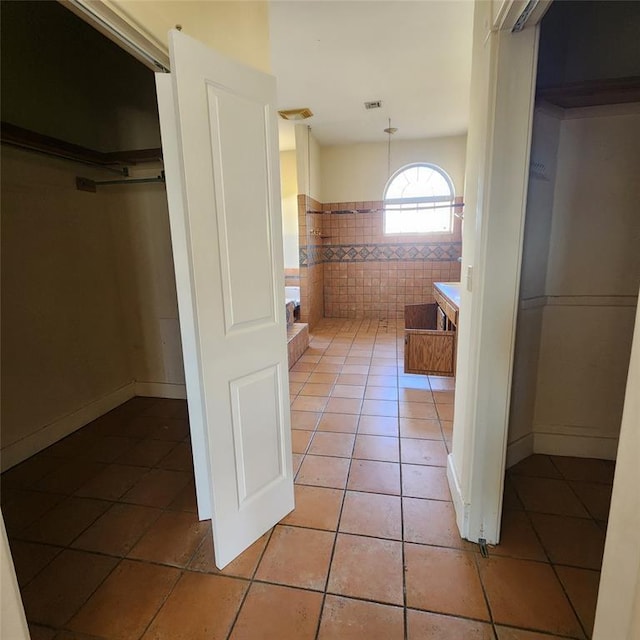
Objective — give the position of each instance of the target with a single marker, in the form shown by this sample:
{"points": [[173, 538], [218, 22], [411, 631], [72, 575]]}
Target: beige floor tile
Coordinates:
{"points": [[339, 422], [158, 488], [309, 403], [324, 471], [596, 497], [62, 524], [348, 391], [432, 522], [378, 425], [420, 481], [372, 514], [188, 614], [509, 633], [581, 585], [419, 451], [272, 611], [419, 410], [172, 539], [548, 495], [380, 408], [118, 529], [243, 566], [358, 379], [59, 590], [422, 625], [374, 476], [344, 405], [444, 581], [349, 619], [382, 448], [443, 397], [367, 568], [518, 538], [409, 381], [527, 594], [416, 395], [416, 428], [323, 378], [585, 469], [300, 440], [572, 541], [326, 443], [297, 557], [29, 558], [316, 508], [381, 393], [306, 420], [135, 590], [316, 389], [445, 411]]}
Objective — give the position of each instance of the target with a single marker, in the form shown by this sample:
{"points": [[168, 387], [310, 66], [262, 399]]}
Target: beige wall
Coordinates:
{"points": [[289, 188], [535, 254], [239, 29], [358, 172], [139, 219], [582, 301], [63, 337], [89, 302]]}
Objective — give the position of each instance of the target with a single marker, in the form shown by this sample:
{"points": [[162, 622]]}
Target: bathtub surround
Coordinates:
{"points": [[351, 269]]}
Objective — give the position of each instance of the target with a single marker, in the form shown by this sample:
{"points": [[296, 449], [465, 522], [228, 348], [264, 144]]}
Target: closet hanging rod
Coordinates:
{"points": [[112, 161], [62, 156], [86, 184]]}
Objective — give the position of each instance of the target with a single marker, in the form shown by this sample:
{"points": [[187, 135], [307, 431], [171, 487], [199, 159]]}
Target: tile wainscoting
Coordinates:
{"points": [[350, 269]]}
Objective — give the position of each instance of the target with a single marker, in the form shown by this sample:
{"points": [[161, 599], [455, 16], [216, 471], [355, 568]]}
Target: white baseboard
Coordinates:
{"points": [[459, 505], [161, 390], [22, 449], [519, 450], [557, 444]]}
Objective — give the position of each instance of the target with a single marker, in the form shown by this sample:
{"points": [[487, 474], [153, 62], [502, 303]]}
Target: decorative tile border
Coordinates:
{"points": [[311, 254], [432, 251]]}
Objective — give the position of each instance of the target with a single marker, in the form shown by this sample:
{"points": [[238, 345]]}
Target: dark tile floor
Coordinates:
{"points": [[106, 541]]}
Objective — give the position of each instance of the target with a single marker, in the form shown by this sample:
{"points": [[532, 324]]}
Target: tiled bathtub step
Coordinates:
{"points": [[297, 341]]}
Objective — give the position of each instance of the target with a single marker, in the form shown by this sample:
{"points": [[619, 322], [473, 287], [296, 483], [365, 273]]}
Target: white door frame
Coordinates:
{"points": [[497, 174]]}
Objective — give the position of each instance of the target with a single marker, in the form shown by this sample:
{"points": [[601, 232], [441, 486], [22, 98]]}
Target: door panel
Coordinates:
{"points": [[230, 196]]}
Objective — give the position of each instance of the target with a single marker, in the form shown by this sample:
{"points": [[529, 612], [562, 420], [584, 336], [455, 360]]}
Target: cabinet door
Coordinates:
{"points": [[430, 352]]}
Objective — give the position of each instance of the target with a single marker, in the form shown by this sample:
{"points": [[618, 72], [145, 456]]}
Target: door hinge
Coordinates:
{"points": [[482, 543]]}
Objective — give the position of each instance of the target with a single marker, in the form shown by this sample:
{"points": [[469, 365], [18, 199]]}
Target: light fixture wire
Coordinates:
{"points": [[389, 131]]}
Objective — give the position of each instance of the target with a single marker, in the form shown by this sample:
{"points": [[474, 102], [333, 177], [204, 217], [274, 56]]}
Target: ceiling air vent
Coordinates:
{"points": [[375, 104], [296, 114]]}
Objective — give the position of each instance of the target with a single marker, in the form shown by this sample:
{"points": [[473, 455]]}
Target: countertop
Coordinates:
{"points": [[451, 291]]}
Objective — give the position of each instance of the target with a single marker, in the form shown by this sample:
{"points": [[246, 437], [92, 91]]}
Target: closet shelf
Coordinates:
{"points": [[115, 161]]}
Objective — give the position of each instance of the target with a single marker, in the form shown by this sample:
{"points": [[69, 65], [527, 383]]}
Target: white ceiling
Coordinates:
{"points": [[333, 55]]}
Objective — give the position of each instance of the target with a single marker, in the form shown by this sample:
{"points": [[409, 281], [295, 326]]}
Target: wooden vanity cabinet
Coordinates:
{"points": [[428, 348]]}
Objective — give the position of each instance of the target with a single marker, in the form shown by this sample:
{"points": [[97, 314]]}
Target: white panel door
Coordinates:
{"points": [[220, 145]]}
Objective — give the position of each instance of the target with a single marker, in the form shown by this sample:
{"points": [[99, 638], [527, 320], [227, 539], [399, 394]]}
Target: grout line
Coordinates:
{"points": [[252, 580], [555, 573]]}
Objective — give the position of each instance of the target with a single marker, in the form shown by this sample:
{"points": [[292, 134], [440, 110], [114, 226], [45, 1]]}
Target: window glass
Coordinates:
{"points": [[419, 199]]}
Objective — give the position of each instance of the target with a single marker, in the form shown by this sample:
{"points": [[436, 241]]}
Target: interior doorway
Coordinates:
{"points": [[578, 293]]}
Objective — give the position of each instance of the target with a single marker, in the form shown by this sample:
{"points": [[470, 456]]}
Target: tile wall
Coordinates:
{"points": [[311, 265], [351, 269]]}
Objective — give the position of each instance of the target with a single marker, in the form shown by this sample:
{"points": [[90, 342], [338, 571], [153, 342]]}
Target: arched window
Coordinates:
{"points": [[419, 198]]}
